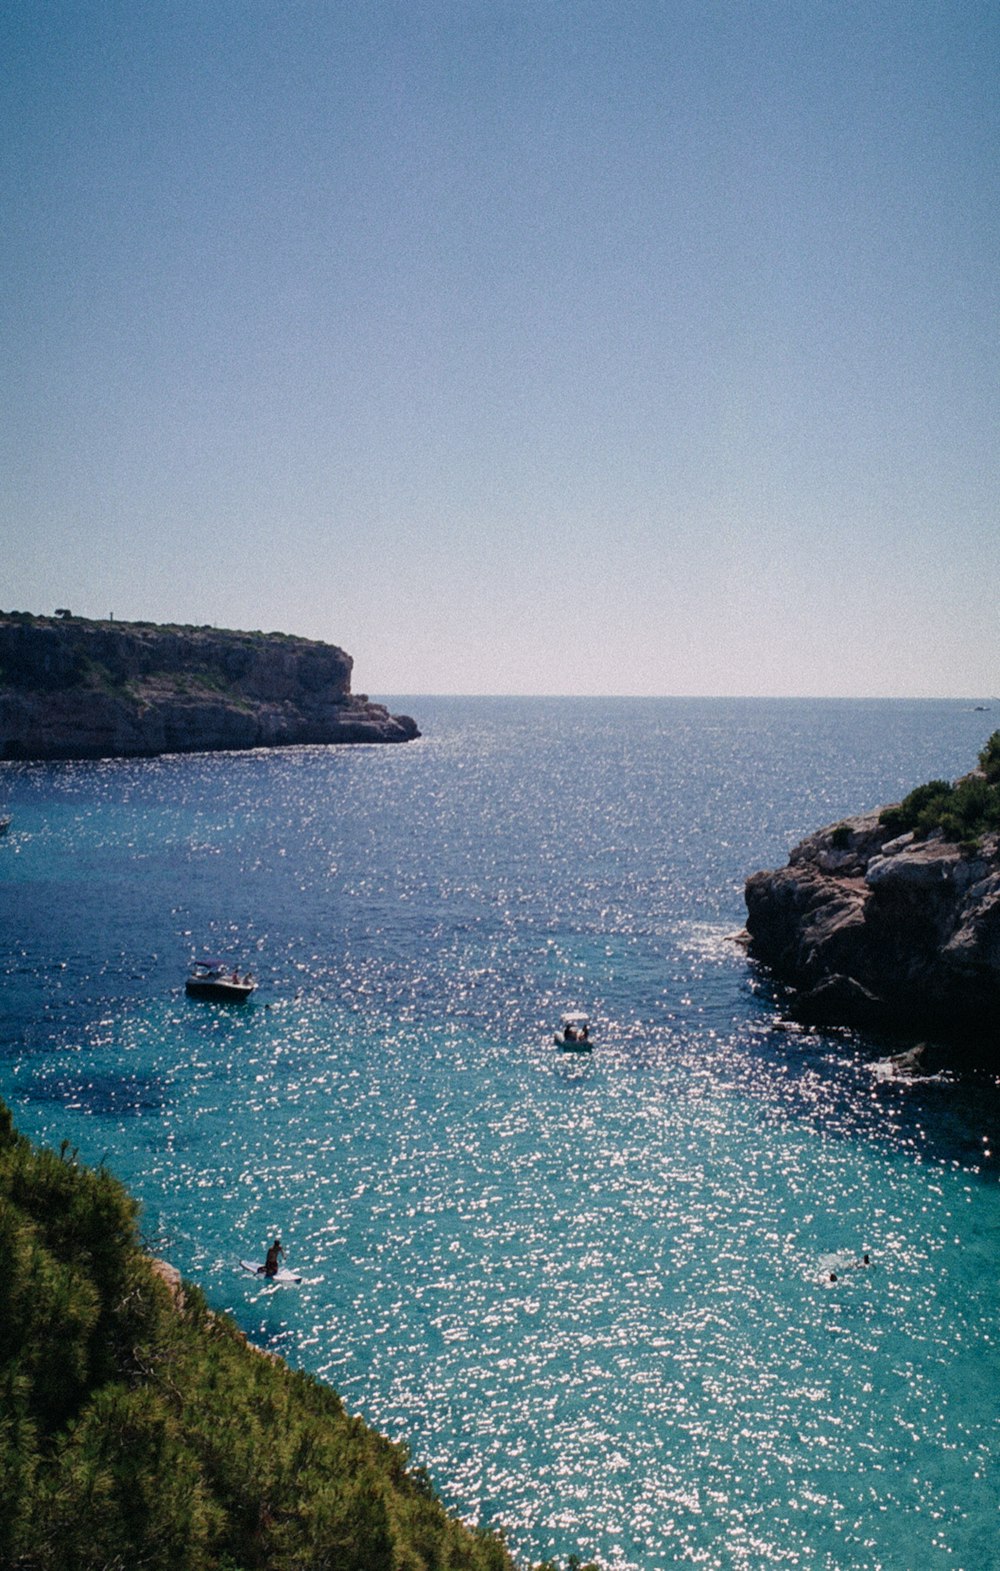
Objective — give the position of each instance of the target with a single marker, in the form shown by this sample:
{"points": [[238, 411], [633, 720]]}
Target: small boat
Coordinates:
{"points": [[573, 1035], [213, 979], [4, 825]]}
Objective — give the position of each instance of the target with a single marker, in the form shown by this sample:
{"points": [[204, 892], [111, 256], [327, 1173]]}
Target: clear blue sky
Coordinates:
{"points": [[564, 346]]}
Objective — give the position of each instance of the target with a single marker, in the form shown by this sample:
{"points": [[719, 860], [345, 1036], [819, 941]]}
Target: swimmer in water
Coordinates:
{"points": [[855, 1265]]}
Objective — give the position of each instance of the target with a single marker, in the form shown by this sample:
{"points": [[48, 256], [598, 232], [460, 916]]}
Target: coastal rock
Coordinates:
{"points": [[72, 688], [880, 930]]}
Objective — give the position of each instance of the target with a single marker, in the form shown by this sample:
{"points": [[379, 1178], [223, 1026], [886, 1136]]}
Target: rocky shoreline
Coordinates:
{"points": [[882, 930], [75, 688]]}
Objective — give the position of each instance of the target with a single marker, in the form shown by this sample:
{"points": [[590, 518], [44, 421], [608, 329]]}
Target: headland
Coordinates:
{"points": [[71, 687], [891, 920]]}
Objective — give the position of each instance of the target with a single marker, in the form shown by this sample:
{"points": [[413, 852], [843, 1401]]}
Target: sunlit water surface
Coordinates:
{"points": [[593, 1294]]}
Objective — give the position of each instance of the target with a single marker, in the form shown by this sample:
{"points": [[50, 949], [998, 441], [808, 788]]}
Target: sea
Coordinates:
{"points": [[592, 1293]]}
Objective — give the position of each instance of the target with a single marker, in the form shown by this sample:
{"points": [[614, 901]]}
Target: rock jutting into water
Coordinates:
{"points": [[75, 688], [878, 929]]}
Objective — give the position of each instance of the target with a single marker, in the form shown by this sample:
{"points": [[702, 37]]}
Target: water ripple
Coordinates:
{"points": [[595, 1295]]}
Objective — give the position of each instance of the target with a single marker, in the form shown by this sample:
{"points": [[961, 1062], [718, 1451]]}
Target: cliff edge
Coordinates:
{"points": [[893, 930], [74, 688]]}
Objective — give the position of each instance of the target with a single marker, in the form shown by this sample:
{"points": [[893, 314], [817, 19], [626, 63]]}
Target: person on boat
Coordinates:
{"points": [[569, 1034], [585, 1034], [271, 1262]]}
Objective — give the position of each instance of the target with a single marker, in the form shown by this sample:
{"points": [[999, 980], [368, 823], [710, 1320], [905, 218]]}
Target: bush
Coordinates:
{"points": [[989, 759], [962, 812], [920, 811]]}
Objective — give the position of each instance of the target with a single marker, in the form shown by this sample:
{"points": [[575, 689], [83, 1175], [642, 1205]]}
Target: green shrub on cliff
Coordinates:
{"points": [[134, 1432], [989, 759], [963, 812], [920, 811]]}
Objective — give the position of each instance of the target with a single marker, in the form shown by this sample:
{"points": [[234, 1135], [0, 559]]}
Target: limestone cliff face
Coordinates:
{"points": [[878, 930], [71, 688]]}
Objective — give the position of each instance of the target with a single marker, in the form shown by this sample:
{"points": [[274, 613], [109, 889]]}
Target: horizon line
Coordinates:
{"points": [[792, 698]]}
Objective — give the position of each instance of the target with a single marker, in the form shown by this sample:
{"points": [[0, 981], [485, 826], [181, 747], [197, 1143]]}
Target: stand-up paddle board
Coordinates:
{"points": [[279, 1276]]}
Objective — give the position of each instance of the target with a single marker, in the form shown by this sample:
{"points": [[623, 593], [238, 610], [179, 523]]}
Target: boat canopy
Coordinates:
{"points": [[576, 1017]]}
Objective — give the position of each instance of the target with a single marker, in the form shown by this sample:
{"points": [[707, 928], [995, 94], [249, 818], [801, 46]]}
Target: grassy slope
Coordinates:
{"points": [[136, 1434]]}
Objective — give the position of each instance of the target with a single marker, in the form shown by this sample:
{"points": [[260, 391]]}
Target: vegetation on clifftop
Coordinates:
{"points": [[963, 812], [139, 1432], [66, 652]]}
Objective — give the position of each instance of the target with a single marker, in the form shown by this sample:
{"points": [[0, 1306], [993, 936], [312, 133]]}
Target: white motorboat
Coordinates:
{"points": [[213, 979], [573, 1035]]}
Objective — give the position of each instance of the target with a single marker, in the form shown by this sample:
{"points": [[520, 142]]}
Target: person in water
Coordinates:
{"points": [[853, 1266], [271, 1262]]}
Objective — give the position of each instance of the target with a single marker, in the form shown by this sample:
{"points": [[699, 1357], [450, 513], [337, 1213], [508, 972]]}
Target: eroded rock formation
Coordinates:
{"points": [[877, 929], [72, 688]]}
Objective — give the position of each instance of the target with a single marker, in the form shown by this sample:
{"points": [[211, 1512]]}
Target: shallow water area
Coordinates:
{"points": [[593, 1293]]}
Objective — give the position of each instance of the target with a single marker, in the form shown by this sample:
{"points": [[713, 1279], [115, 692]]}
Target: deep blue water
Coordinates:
{"points": [[593, 1294]]}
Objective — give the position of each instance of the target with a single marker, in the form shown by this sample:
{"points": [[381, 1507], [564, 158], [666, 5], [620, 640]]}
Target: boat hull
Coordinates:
{"points": [[227, 992], [573, 1047]]}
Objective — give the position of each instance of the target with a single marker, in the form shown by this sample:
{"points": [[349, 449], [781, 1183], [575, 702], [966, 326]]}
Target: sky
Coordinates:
{"points": [[515, 346]]}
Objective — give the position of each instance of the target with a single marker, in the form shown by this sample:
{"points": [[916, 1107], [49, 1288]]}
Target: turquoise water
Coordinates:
{"points": [[592, 1293]]}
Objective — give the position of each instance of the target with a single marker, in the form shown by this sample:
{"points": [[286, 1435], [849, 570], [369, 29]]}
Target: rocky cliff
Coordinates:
{"points": [[879, 929], [73, 688]]}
